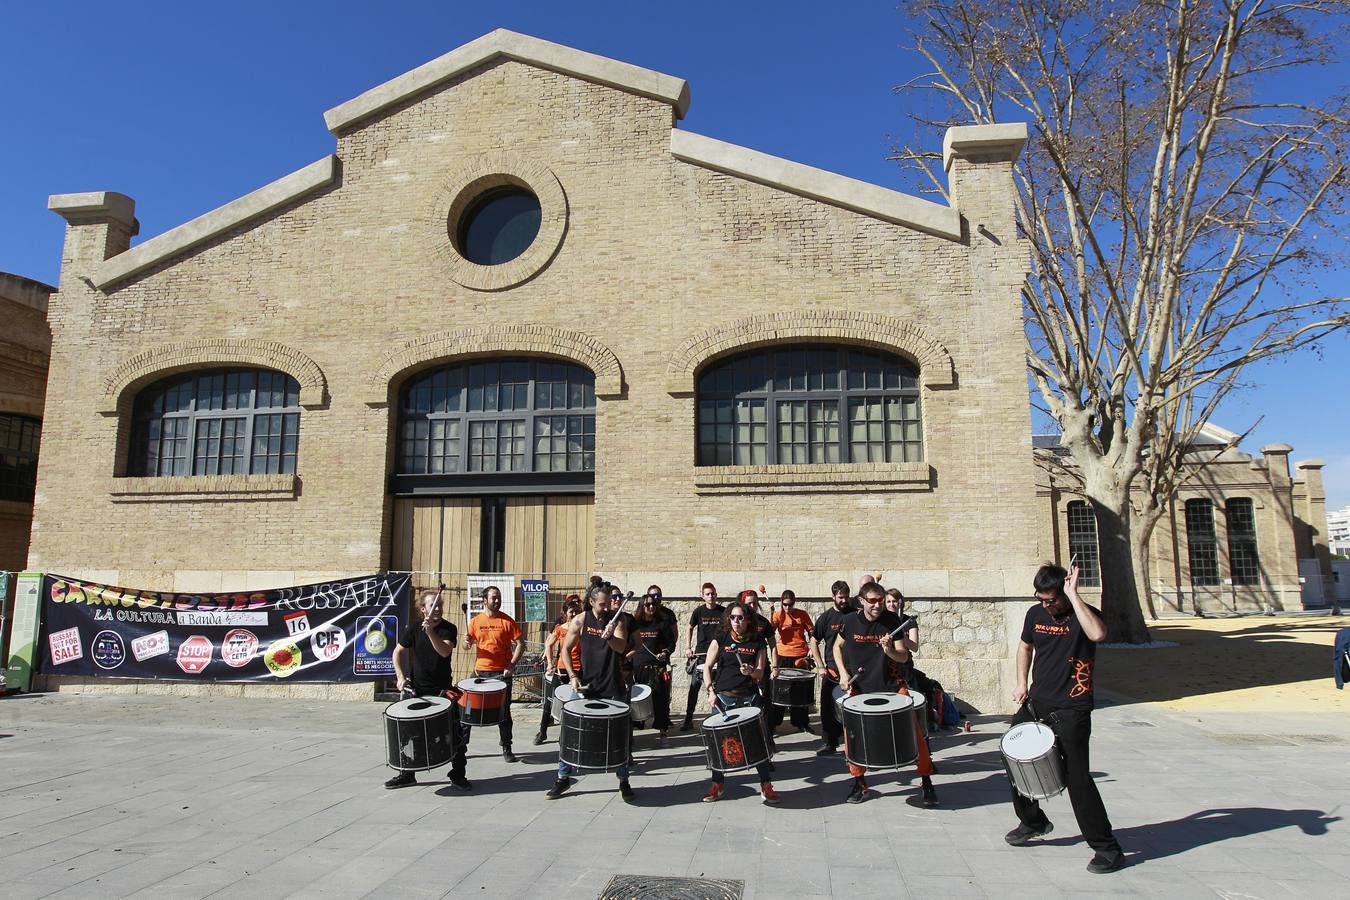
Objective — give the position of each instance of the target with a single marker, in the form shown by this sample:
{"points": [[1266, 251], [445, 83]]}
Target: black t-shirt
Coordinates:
{"points": [[730, 654], [826, 628], [430, 670], [862, 650], [765, 628], [704, 622], [654, 637], [603, 667], [1061, 669]]}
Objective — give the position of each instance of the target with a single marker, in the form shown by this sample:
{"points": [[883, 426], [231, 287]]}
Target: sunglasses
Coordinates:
{"points": [[648, 602], [654, 596], [733, 618]]}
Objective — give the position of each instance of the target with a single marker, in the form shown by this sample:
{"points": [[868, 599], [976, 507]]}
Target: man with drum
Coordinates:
{"points": [[866, 645], [655, 636], [825, 631], [703, 625], [602, 632], [791, 633], [553, 667], [498, 639], [733, 668], [1058, 650], [428, 646]]}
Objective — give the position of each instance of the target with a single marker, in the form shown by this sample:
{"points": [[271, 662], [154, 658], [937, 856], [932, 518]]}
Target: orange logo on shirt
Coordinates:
{"points": [[732, 751], [1082, 677]]}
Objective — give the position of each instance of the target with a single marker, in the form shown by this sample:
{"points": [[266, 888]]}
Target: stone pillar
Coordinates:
{"points": [[99, 225], [1310, 518], [1281, 558]]}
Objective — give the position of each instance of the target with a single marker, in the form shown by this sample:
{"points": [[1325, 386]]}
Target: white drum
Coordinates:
{"points": [[1032, 760], [562, 694], [641, 703]]}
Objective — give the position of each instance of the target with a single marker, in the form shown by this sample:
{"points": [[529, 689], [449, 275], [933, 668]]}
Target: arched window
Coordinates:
{"points": [[1201, 546], [1083, 543], [809, 405], [1243, 560], [513, 415], [19, 437], [219, 422]]}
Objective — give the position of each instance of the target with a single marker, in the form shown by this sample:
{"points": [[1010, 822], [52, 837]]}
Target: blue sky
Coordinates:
{"points": [[187, 106]]}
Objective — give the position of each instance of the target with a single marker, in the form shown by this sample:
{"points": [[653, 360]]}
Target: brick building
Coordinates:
{"points": [[521, 321], [24, 349]]}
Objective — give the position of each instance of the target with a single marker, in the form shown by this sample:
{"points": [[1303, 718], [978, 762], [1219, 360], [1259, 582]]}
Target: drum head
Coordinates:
{"points": [[640, 692], [877, 703], [417, 708], [482, 685], [795, 674], [595, 709], [565, 694], [1027, 741], [734, 717]]}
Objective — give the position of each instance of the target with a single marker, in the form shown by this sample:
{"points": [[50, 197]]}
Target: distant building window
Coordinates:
{"points": [[1243, 560], [1083, 543], [221, 422], [19, 436], [809, 405], [512, 415], [1201, 545]]}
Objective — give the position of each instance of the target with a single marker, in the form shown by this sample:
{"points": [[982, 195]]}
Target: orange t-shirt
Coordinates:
{"points": [[792, 627], [559, 641], [493, 635]]}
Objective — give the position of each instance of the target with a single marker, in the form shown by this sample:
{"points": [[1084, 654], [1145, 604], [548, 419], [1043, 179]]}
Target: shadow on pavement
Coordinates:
{"points": [[1210, 826]]}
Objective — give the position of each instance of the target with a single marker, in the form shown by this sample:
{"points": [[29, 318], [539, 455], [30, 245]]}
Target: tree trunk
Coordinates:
{"points": [[1139, 537], [1120, 586]]}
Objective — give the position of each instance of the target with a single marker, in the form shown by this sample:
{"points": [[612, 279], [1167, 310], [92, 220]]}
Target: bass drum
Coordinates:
{"points": [[794, 687], [735, 740], [419, 733], [1032, 760], [595, 734], [879, 731]]}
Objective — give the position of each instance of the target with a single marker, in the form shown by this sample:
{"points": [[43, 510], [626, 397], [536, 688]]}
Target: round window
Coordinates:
{"points": [[499, 226]]}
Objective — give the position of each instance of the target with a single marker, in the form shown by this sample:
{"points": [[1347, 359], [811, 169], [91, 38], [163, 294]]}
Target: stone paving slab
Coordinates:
{"points": [[166, 797]]}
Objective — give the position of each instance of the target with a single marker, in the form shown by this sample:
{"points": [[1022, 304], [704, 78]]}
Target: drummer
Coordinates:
{"points": [[826, 629], [703, 625], [553, 670], [498, 639], [792, 632], [428, 645], [764, 628], [602, 634], [1058, 650], [656, 634], [895, 604], [734, 666], [864, 652]]}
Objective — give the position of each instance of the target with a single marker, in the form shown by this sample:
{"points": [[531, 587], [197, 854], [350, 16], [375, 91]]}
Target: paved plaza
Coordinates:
{"points": [[112, 796]]}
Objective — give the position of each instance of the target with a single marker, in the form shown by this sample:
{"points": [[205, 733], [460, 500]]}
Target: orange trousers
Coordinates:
{"points": [[924, 764]]}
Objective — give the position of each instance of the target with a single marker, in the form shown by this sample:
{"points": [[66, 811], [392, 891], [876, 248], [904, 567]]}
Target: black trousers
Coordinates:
{"points": [[830, 729], [550, 682], [800, 715], [1073, 731], [655, 678], [504, 726], [695, 691]]}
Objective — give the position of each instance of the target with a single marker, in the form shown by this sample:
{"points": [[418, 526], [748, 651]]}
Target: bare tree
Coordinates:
{"points": [[1179, 197]]}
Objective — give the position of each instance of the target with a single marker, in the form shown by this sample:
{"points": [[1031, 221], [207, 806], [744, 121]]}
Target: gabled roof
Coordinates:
{"points": [[522, 48]]}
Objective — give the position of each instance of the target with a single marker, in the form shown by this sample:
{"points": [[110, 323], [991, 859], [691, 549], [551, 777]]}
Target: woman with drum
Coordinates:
{"points": [[553, 668], [655, 633], [1058, 650], [427, 645], [792, 685], [868, 642], [733, 668]]}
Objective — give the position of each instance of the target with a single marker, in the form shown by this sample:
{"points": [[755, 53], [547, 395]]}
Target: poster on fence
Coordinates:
{"points": [[481, 581], [333, 631]]}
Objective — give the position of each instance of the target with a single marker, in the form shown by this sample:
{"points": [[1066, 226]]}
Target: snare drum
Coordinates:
{"points": [[839, 695], [794, 687], [1032, 760], [482, 701], [595, 734], [879, 730], [641, 703], [735, 740], [562, 695], [419, 733]]}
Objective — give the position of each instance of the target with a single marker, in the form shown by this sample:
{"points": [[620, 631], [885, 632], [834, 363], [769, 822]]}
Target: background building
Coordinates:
{"points": [[24, 349], [1338, 531]]}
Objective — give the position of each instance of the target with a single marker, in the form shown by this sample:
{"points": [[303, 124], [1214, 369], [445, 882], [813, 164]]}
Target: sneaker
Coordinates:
{"points": [[859, 792], [1022, 834], [540, 738], [559, 788], [457, 780], [508, 755], [661, 740], [714, 793], [688, 725], [930, 800], [827, 750], [402, 779], [770, 795], [1106, 861], [807, 729], [626, 792]]}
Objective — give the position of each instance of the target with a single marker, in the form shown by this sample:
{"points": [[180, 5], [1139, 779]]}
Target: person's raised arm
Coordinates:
{"points": [[1088, 618], [618, 638]]}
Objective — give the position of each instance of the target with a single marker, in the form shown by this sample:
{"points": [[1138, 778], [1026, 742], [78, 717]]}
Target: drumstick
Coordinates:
{"points": [[908, 621]]}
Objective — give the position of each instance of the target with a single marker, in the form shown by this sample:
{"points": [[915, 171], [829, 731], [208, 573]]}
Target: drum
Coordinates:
{"points": [[562, 695], [735, 740], [879, 731], [1032, 760], [419, 733], [482, 700], [839, 695], [595, 734], [641, 703], [794, 687]]}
